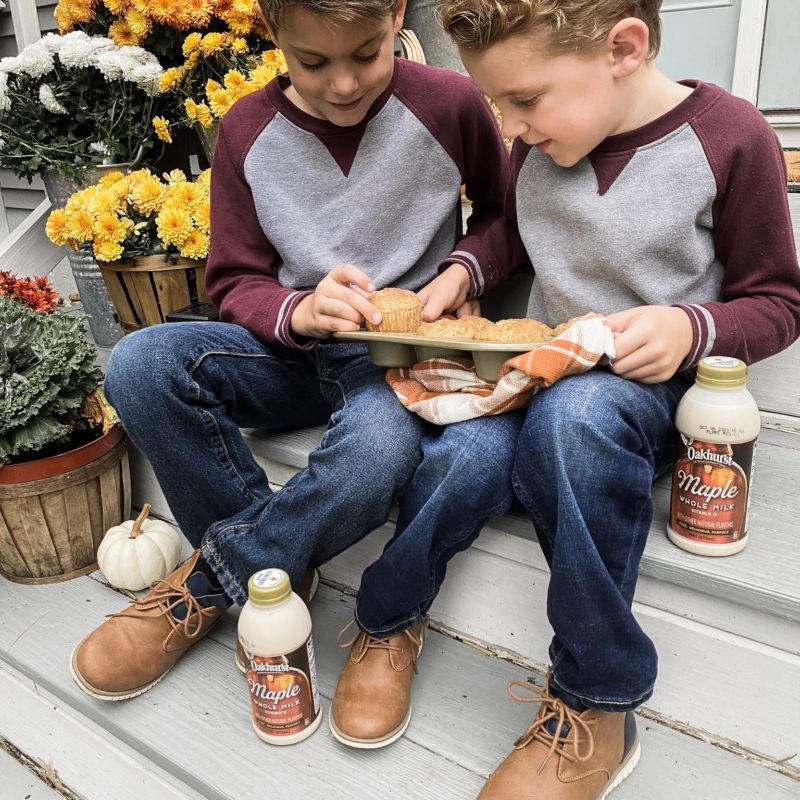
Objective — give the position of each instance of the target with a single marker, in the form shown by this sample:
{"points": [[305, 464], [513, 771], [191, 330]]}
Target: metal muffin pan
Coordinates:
{"points": [[406, 349]]}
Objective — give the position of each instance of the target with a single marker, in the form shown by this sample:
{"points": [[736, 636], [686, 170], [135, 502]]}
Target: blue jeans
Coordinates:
{"points": [[183, 390], [586, 459]]}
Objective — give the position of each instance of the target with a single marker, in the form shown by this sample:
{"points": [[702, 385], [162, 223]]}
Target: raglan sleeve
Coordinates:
{"points": [[241, 274], [758, 313]]}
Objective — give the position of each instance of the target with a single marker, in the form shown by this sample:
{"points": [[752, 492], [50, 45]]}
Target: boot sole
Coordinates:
{"points": [[311, 592], [112, 697], [625, 769], [369, 744]]}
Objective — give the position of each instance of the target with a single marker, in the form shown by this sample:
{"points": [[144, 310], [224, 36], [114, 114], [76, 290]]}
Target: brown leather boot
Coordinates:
{"points": [[593, 754], [372, 703], [134, 649], [306, 591]]}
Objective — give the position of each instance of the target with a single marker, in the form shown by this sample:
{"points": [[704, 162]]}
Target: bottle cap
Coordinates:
{"points": [[722, 372], [269, 586]]}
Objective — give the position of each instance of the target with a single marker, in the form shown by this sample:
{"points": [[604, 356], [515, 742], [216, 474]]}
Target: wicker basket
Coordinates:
{"points": [[147, 288]]}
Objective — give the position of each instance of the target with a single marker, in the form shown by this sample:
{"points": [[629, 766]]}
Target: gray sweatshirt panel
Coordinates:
{"points": [[647, 241], [313, 214]]}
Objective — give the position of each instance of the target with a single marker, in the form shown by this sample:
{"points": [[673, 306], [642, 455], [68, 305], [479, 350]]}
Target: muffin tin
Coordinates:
{"points": [[406, 349]]}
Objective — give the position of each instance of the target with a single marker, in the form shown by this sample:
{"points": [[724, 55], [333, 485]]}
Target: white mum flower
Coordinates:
{"points": [[35, 60], [112, 64], [147, 77], [9, 64], [101, 148], [49, 100], [79, 50], [5, 100], [138, 54], [52, 41]]}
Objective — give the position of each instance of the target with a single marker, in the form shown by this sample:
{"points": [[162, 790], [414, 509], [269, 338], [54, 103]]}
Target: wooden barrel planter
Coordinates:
{"points": [[145, 289], [55, 511]]}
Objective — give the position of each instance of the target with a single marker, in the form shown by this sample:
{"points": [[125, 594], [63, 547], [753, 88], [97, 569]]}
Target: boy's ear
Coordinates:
{"points": [[399, 14], [627, 44]]}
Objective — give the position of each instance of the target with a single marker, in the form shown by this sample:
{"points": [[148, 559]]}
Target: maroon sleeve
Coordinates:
{"points": [[476, 147], [759, 311], [501, 243], [241, 275]]}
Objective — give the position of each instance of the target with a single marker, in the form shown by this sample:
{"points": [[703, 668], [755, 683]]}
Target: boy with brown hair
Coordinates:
{"points": [[663, 205], [341, 177]]}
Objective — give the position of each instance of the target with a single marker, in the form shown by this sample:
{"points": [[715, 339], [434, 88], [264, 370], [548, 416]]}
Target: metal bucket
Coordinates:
{"points": [[89, 282]]}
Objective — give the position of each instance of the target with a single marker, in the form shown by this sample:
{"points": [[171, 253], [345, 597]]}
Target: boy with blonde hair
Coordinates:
{"points": [[341, 177], [663, 205]]}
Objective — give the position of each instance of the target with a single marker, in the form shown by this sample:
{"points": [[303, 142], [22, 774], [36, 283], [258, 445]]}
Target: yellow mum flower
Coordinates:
{"points": [[171, 78], [138, 23], [191, 108], [198, 11], [188, 194], [204, 116], [262, 75], [110, 228], [161, 10], [239, 45], [57, 227], [116, 6], [64, 19], [193, 61], [212, 43], [243, 6], [195, 245], [173, 224], [142, 6], [204, 178], [107, 251], [81, 10], [191, 43], [109, 179], [173, 177], [147, 194], [220, 101], [161, 127], [122, 34], [240, 24], [202, 216], [104, 201], [234, 80], [274, 58], [79, 226]]}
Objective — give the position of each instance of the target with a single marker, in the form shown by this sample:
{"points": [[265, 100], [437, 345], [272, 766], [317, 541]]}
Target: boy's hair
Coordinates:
{"points": [[571, 25], [274, 11]]}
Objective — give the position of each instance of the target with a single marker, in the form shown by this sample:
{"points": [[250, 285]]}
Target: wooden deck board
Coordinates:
{"points": [[19, 783], [194, 726]]}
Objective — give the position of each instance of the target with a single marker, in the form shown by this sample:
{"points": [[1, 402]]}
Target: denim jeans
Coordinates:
{"points": [[183, 390], [586, 459]]}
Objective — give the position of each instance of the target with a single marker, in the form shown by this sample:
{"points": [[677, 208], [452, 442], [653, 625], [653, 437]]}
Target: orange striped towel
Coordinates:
{"points": [[447, 389]]}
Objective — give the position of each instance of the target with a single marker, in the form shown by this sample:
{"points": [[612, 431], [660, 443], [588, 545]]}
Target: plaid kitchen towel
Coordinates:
{"points": [[447, 389]]}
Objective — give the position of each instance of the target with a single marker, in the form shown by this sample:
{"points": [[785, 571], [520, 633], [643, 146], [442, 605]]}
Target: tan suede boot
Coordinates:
{"points": [[595, 752], [372, 703], [306, 591], [134, 649]]}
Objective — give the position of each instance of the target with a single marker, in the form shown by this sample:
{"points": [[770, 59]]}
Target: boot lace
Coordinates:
{"points": [[167, 596], [362, 642], [553, 708]]}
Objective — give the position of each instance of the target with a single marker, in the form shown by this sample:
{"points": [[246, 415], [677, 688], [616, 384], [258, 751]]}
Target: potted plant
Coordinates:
{"points": [[218, 69], [64, 474], [71, 103], [149, 235]]}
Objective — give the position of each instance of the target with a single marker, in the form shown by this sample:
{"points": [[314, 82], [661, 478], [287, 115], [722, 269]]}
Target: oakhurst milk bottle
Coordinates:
{"points": [[275, 632], [718, 424]]}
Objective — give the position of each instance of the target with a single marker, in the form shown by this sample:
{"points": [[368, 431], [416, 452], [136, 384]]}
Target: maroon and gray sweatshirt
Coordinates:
{"points": [[293, 196], [689, 210]]}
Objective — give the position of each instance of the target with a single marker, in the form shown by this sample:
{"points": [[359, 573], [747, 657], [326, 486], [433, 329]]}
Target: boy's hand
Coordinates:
{"points": [[651, 342], [339, 303], [446, 292]]}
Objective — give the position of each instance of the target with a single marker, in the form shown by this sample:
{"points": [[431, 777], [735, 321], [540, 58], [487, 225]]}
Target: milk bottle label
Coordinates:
{"points": [[711, 490], [283, 690]]}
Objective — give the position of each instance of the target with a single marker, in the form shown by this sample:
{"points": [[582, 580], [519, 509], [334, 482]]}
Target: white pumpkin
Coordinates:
{"points": [[137, 552]]}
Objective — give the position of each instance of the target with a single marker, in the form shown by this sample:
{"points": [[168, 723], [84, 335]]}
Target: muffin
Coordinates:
{"points": [[517, 330], [448, 328], [400, 310], [559, 329]]}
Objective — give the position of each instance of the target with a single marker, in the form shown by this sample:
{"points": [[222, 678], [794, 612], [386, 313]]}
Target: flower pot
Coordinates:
{"points": [[88, 281], [207, 137], [55, 511], [145, 289]]}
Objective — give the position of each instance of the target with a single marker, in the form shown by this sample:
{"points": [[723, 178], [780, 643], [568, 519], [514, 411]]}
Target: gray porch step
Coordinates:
{"points": [[190, 736]]}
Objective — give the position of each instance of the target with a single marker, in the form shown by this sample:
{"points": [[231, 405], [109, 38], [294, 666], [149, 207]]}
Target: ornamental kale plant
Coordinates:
{"points": [[47, 372], [71, 102]]}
